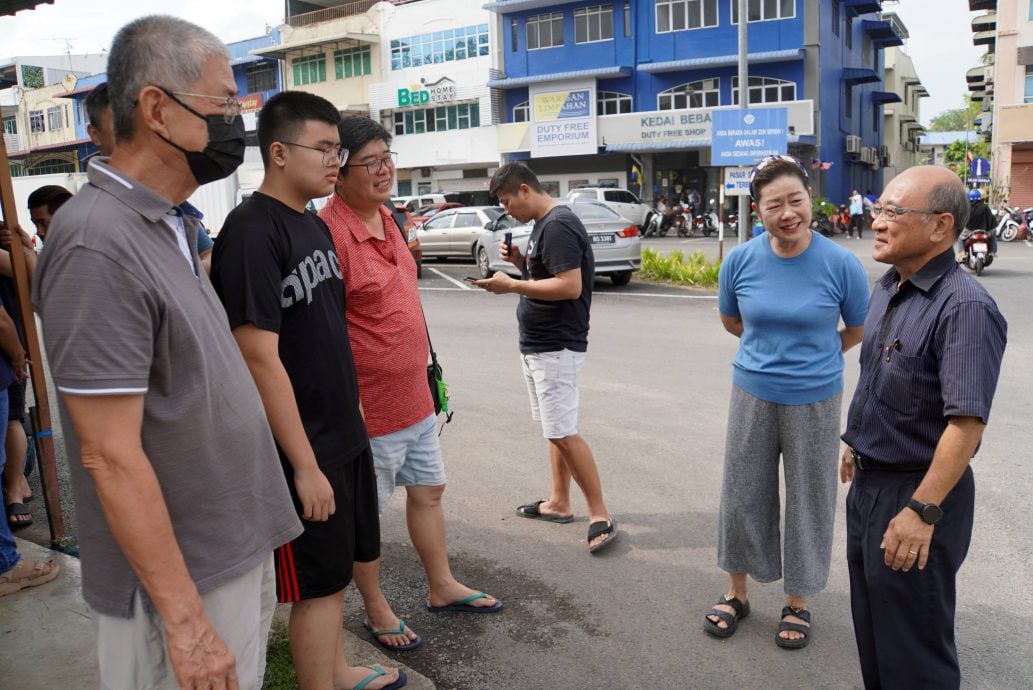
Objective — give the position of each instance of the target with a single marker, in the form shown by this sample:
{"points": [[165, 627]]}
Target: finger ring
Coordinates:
{"points": [[913, 553]]}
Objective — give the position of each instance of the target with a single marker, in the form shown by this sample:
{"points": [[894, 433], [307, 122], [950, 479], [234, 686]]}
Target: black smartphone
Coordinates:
{"points": [[471, 279], [508, 241]]}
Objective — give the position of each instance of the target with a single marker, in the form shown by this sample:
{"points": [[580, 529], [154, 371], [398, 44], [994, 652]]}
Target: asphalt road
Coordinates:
{"points": [[655, 391]]}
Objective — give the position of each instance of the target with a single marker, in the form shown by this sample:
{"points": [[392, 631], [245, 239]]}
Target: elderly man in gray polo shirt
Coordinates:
{"points": [[178, 489]]}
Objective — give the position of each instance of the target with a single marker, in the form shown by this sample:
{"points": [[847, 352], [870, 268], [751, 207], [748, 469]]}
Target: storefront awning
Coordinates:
{"points": [[279, 52], [881, 32], [721, 61], [886, 97], [598, 73], [858, 7], [860, 75], [631, 147]]}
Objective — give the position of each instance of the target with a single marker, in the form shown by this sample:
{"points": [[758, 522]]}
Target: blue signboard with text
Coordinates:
{"points": [[740, 137]]}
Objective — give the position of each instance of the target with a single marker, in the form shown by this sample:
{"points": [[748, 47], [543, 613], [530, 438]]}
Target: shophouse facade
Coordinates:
{"points": [[901, 112], [659, 69]]}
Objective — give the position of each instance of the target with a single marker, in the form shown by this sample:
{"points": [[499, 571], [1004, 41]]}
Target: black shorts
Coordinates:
{"points": [[16, 398], [319, 562]]}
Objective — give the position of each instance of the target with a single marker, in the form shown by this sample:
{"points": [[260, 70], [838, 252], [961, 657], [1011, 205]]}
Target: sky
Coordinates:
{"points": [[940, 45]]}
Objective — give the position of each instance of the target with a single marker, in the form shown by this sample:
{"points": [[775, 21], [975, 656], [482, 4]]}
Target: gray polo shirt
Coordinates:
{"points": [[127, 312]]}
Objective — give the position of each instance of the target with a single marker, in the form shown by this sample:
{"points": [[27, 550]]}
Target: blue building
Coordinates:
{"points": [[659, 68]]}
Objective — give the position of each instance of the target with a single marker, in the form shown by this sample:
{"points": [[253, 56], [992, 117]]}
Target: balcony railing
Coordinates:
{"points": [[15, 143], [346, 9]]}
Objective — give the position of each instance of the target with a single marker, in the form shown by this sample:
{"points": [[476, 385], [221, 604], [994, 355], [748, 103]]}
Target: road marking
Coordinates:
{"points": [[596, 293], [450, 279]]}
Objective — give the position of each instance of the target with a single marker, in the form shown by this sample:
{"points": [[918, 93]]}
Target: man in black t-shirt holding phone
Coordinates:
{"points": [[557, 273]]}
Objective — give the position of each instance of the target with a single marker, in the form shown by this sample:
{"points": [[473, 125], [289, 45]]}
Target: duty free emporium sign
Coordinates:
{"points": [[745, 136], [563, 119]]}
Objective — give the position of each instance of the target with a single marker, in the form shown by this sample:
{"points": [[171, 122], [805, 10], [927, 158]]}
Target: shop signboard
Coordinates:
{"points": [[441, 91], [563, 119], [747, 135]]}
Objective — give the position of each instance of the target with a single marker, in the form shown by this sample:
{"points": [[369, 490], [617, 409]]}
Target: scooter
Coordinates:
{"points": [[822, 224], [706, 221], [977, 251], [1008, 222]]}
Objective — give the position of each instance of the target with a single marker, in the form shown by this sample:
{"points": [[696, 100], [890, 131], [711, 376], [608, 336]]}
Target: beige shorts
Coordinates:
{"points": [[132, 651], [552, 388]]}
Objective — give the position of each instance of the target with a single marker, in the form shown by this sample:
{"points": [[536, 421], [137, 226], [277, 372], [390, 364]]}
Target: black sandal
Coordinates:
{"points": [[802, 614], [742, 609], [597, 529]]}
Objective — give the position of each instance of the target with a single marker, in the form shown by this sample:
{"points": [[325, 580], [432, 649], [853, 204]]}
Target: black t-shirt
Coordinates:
{"points": [[981, 217], [558, 243], [277, 269]]}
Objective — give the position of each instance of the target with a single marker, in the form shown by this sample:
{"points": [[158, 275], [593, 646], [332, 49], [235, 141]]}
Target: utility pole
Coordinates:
{"points": [[745, 226]]}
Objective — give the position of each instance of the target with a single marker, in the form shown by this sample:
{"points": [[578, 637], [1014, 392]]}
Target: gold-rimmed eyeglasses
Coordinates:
{"points": [[333, 155], [375, 166]]}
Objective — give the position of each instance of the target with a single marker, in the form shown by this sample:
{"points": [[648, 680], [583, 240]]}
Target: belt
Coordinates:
{"points": [[867, 464]]}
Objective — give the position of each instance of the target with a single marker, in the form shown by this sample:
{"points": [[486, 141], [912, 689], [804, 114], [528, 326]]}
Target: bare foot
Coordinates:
{"points": [[797, 604], [727, 608], [354, 675], [383, 618], [453, 592]]}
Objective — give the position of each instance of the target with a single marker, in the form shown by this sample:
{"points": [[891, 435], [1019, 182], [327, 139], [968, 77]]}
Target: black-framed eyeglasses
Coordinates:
{"points": [[334, 155], [230, 105], [374, 167], [890, 213]]}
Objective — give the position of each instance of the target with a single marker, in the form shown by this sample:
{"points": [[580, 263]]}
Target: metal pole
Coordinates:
{"points": [[745, 226]]}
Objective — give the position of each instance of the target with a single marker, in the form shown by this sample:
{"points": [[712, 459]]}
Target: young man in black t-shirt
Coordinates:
{"points": [[276, 272], [555, 298]]}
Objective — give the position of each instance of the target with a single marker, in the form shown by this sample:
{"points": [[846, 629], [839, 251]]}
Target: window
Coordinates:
{"points": [[593, 24], [467, 220], [36, 121], [876, 116], [848, 101], [678, 15], [51, 166], [1028, 97], [866, 49], [309, 70], [765, 90], [261, 77], [763, 10], [835, 17], [440, 47], [627, 20], [612, 103], [440, 119], [514, 35], [1031, 10], [522, 112], [55, 118], [10, 125], [352, 62], [545, 31], [704, 93], [848, 31]]}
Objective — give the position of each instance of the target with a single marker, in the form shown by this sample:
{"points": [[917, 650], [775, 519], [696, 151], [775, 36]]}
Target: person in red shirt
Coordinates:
{"points": [[389, 341]]}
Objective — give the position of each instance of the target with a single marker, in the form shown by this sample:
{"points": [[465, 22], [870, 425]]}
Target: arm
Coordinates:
{"points": [[206, 261], [11, 345], [108, 428], [27, 248], [564, 285], [261, 352], [732, 324], [850, 336]]}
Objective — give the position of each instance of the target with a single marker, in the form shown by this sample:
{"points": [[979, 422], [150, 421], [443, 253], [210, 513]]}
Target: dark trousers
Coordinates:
{"points": [[856, 224], [904, 622]]}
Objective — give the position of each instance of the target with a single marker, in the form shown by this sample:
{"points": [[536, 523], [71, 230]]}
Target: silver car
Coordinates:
{"points": [[616, 244], [455, 231]]}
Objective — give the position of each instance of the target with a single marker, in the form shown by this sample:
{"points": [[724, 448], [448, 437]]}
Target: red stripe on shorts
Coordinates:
{"points": [[292, 574]]}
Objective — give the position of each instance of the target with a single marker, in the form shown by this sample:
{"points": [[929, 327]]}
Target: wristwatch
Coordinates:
{"points": [[929, 512]]}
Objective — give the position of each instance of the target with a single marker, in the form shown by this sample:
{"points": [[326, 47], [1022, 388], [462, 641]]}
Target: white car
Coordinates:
{"points": [[411, 203], [616, 245], [620, 200]]}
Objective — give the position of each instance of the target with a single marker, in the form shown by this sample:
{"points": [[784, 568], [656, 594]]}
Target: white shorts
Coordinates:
{"points": [[132, 652], [408, 457], [552, 387]]}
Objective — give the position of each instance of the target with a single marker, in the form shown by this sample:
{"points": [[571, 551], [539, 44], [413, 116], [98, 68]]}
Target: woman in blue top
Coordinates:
{"points": [[783, 295]]}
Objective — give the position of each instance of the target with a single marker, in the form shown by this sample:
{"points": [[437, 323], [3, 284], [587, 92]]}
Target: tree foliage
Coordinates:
{"points": [[954, 156], [956, 119]]}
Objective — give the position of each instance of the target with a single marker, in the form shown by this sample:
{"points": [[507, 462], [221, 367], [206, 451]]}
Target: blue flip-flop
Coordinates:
{"points": [[400, 630], [463, 606], [377, 673]]}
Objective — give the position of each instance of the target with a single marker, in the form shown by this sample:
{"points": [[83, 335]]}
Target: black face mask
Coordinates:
{"points": [[224, 152]]}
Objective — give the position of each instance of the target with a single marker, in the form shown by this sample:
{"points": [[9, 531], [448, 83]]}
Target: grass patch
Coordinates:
{"points": [[279, 668], [679, 269]]}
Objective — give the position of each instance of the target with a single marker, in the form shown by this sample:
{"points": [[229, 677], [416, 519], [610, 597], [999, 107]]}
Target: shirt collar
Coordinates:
{"points": [[925, 277], [132, 193], [343, 213]]}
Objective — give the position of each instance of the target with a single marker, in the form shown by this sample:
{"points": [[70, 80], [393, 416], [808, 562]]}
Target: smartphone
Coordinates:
{"points": [[508, 241], [471, 279]]}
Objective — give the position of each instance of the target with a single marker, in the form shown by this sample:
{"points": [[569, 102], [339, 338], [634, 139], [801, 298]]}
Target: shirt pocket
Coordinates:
{"points": [[904, 384]]}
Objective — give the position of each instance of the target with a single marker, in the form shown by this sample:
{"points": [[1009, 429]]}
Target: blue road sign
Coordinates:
{"points": [[740, 136], [980, 167]]}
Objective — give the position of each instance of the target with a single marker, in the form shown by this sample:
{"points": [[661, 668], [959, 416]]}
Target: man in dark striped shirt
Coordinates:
{"points": [[930, 359]]}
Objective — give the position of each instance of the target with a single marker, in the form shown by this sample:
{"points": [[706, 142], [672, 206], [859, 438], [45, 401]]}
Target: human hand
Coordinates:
{"points": [[906, 541], [21, 367], [847, 469], [199, 657], [499, 284], [6, 237], [316, 494], [509, 252]]}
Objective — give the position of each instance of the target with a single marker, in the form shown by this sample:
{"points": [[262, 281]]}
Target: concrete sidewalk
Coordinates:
{"points": [[47, 639]]}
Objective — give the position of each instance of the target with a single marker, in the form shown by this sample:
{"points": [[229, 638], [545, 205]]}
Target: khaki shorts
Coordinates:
{"points": [[552, 388], [132, 651]]}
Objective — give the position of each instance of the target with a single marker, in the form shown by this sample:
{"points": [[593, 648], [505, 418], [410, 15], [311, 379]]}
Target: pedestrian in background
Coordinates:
{"points": [[856, 214], [931, 356], [784, 296]]}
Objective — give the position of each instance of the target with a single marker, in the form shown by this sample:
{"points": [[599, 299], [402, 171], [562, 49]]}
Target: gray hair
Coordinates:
{"points": [[950, 197], [158, 50]]}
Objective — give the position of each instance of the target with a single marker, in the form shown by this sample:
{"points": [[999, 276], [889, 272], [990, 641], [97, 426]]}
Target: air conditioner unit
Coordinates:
{"points": [[853, 144], [862, 155], [886, 161], [884, 151]]}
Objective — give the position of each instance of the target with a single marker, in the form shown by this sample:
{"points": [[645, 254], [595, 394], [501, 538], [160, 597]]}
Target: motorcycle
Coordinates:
{"points": [[1009, 220], [822, 224], [706, 221], [977, 251], [733, 223]]}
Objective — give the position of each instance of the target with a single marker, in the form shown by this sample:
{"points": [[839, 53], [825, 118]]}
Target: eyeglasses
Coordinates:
{"points": [[890, 213], [376, 166], [331, 156], [231, 106]]}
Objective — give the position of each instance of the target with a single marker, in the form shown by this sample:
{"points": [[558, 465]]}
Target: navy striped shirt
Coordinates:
{"points": [[932, 350]]}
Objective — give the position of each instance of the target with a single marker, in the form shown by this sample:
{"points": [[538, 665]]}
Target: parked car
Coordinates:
{"points": [[455, 231], [620, 200], [425, 213], [616, 245], [412, 203], [408, 227]]}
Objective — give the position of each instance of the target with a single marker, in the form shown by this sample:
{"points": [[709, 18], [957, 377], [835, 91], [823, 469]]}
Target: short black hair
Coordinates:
{"points": [[510, 176], [52, 196], [358, 130], [96, 103], [284, 116]]}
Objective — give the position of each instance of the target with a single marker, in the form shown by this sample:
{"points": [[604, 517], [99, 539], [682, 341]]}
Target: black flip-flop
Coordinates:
{"points": [[18, 509], [784, 626], [741, 608], [534, 512], [600, 528]]}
